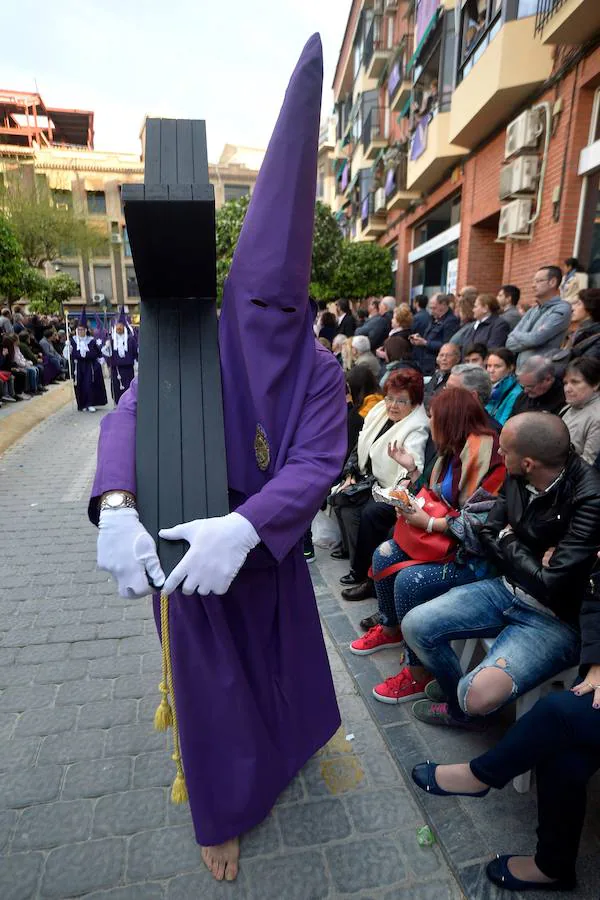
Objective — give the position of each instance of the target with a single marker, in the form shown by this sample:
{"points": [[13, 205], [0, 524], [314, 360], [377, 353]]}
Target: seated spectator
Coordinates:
{"points": [[363, 522], [544, 326], [377, 327], [346, 323], [8, 364], [31, 372], [560, 736], [328, 327], [489, 327], [574, 280], [448, 356], [6, 323], [508, 298], [549, 513], [397, 355], [582, 415], [476, 355], [362, 354], [500, 366], [402, 320], [468, 461], [363, 389], [465, 303], [542, 390], [421, 318], [584, 339], [477, 381], [337, 346], [442, 327], [49, 350]]}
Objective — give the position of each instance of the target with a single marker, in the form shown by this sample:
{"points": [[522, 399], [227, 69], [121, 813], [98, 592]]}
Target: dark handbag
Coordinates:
{"points": [[355, 494]]}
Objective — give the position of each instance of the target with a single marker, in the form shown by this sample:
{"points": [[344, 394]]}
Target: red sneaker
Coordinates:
{"points": [[400, 687], [375, 639]]}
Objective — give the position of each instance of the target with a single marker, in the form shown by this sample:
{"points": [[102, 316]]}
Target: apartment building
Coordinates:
{"points": [[56, 147], [496, 132]]}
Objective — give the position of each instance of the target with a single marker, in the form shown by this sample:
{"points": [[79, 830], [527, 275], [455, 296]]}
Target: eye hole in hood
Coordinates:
{"points": [[259, 303]]}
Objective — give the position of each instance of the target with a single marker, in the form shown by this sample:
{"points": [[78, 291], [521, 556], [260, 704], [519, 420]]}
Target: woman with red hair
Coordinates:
{"points": [[466, 476]]}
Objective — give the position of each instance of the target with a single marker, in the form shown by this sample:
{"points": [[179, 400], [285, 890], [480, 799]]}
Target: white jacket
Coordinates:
{"points": [[411, 432]]}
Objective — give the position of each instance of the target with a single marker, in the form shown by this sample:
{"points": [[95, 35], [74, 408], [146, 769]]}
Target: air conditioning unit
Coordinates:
{"points": [[514, 218], [116, 239], [519, 177], [521, 133], [98, 298], [380, 201]]}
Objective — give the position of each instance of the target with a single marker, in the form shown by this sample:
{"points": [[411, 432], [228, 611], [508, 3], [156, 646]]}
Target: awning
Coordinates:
{"points": [[339, 165], [432, 23], [405, 111], [377, 159], [354, 182]]}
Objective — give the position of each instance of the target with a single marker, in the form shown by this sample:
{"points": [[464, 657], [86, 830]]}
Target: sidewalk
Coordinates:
{"points": [[16, 419], [84, 778]]}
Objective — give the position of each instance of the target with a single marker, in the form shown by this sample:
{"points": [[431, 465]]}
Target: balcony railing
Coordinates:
{"points": [[374, 41], [395, 179], [373, 129], [545, 10], [395, 79]]}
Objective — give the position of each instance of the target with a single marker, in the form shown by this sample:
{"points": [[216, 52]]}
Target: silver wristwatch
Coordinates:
{"points": [[117, 500]]}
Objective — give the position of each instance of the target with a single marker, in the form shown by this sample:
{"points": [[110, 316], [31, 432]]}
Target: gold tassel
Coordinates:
{"points": [[179, 792], [163, 717]]}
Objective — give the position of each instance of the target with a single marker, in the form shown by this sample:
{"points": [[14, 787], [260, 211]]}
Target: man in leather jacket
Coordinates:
{"points": [[542, 536]]}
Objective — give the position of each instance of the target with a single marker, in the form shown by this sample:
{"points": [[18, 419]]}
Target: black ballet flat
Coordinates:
{"points": [[497, 871], [351, 579], [423, 776], [339, 553]]}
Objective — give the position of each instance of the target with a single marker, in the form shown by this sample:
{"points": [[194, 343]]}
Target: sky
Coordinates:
{"points": [[225, 61]]}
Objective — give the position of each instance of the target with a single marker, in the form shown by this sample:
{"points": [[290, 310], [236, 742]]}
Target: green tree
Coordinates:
{"points": [[12, 263], [44, 229], [47, 295], [327, 244], [364, 270]]}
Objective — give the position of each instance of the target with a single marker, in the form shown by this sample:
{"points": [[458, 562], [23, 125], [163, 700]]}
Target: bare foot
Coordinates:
{"points": [[524, 868], [458, 778], [222, 860]]}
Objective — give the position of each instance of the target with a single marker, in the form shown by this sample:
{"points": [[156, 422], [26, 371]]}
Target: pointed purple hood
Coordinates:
{"points": [[266, 339]]}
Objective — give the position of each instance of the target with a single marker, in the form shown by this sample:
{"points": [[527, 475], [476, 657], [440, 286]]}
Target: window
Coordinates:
{"points": [[236, 191], [62, 199], [527, 8], [132, 285], [321, 182], [126, 244], [96, 203], [480, 23], [103, 281]]}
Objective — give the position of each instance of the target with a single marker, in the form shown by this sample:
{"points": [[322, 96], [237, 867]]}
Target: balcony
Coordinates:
{"points": [[399, 86], [373, 214], [431, 152], [397, 196], [567, 21], [492, 85], [373, 136], [376, 53]]}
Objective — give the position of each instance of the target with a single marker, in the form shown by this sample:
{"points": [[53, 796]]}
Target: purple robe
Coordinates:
{"points": [[87, 376], [122, 368]]}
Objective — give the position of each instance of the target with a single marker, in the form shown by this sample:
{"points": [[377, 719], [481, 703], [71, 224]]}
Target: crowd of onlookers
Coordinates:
{"points": [[469, 506], [32, 355]]}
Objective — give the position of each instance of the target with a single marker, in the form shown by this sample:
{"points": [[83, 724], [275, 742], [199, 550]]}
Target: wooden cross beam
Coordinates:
{"points": [[180, 446]]}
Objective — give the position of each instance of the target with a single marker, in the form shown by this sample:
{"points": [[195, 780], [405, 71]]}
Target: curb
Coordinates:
{"points": [[14, 426]]}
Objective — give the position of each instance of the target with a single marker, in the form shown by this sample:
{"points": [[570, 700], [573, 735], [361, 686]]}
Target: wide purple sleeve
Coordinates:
{"points": [[283, 509], [115, 468]]}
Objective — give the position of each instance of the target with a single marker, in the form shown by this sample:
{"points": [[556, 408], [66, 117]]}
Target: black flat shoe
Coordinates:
{"points": [[350, 579], [497, 871], [371, 621], [339, 553], [423, 776], [361, 591]]}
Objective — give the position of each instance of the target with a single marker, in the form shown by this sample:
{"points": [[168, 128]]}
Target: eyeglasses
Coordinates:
{"points": [[396, 401]]}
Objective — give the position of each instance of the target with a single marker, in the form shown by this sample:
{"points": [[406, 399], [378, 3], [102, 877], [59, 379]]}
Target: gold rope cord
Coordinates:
{"points": [[166, 714]]}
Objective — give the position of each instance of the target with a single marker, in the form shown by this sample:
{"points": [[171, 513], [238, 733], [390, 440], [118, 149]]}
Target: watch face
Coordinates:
{"points": [[115, 499]]}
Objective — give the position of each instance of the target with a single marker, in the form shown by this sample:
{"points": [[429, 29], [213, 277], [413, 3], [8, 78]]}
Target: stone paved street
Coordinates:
{"points": [[84, 808]]}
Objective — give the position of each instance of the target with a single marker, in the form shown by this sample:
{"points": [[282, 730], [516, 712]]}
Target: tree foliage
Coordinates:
{"points": [[47, 295], [230, 219], [45, 229], [12, 263], [364, 270]]}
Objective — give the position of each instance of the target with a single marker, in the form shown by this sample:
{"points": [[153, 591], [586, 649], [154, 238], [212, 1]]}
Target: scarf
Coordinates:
{"points": [[82, 344], [478, 465], [120, 342]]}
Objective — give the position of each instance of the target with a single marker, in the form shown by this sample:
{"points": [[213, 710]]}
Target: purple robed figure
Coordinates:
{"points": [[254, 693], [88, 379], [121, 351]]}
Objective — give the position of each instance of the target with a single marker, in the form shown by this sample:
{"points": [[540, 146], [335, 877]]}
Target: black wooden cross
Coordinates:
{"points": [[180, 445]]}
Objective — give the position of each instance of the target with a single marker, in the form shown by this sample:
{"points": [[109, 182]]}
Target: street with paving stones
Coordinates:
{"points": [[85, 780]]}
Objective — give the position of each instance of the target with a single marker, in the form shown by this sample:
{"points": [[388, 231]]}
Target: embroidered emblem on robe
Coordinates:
{"points": [[261, 449]]}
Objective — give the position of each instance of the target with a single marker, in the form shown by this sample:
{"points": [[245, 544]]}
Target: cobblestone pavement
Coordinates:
{"points": [[84, 808]]}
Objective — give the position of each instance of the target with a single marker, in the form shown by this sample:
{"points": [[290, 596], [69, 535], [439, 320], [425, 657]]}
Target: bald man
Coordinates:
{"points": [[542, 535]]}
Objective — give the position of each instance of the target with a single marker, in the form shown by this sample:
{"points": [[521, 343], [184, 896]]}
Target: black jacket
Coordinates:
{"points": [[566, 517], [438, 332], [347, 326], [376, 328], [493, 333], [552, 401], [421, 322]]}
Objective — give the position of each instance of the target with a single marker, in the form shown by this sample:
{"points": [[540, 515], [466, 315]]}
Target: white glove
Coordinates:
{"points": [[218, 550], [126, 550]]}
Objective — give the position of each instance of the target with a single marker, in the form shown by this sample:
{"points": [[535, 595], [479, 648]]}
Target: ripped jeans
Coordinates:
{"points": [[401, 591], [531, 644]]}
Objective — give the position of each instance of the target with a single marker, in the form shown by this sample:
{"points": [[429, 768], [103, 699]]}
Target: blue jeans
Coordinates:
{"points": [[533, 644], [399, 593]]}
